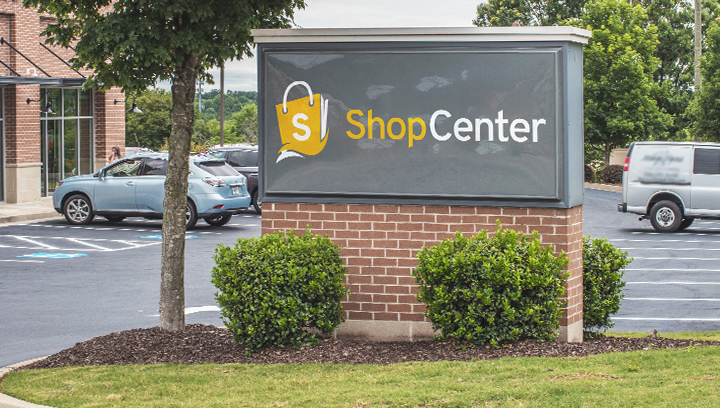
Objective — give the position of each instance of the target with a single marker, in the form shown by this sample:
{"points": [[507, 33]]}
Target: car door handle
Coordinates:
{"points": [[129, 184]]}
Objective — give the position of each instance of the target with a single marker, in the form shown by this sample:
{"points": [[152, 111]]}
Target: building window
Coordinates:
{"points": [[66, 136]]}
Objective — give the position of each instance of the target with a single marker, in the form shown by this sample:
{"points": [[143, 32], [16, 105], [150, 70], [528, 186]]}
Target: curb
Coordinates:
{"points": [[30, 217], [604, 187], [7, 401]]}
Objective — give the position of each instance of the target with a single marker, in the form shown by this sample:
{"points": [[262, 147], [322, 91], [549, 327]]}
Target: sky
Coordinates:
{"points": [[242, 75]]}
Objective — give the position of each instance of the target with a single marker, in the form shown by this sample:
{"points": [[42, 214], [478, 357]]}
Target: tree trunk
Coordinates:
{"points": [[172, 279], [608, 152]]}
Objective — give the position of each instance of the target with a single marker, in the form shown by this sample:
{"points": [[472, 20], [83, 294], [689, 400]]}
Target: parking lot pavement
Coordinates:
{"points": [[62, 284], [672, 284]]}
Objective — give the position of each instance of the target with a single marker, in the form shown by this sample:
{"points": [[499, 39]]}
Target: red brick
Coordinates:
{"points": [[389, 209], [373, 234], [385, 280], [284, 207], [402, 308], [360, 316], [359, 279], [410, 317], [412, 209], [309, 207], [384, 262], [336, 207], [372, 289], [385, 243], [397, 218], [347, 217], [387, 316], [360, 208], [404, 290], [360, 297], [373, 252], [372, 217], [380, 298], [514, 211], [372, 307]]}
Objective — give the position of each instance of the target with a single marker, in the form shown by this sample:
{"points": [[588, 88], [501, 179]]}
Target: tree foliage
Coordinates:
{"points": [[619, 64], [498, 13], [132, 45], [707, 110], [150, 129]]}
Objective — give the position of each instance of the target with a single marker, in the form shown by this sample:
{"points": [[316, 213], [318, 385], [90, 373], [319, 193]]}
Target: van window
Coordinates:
{"points": [[707, 161]]}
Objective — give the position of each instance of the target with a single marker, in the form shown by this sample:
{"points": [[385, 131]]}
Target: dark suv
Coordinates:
{"points": [[244, 158]]}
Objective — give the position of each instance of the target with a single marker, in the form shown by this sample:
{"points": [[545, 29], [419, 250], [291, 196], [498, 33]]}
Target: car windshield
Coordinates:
{"points": [[217, 168]]}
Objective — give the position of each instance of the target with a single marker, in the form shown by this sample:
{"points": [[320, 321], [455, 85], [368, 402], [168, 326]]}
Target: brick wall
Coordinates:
{"points": [[380, 244]]}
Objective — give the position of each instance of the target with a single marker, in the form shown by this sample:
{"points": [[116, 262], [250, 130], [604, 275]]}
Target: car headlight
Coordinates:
{"points": [[215, 182]]}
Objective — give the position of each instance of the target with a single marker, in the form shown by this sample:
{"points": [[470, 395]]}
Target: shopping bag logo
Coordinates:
{"points": [[303, 124]]}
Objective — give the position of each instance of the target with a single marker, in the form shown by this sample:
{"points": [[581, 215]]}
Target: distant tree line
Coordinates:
{"points": [[638, 67], [152, 127]]}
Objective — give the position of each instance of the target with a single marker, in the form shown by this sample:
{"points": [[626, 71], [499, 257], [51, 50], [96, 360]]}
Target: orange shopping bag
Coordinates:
{"points": [[303, 124]]}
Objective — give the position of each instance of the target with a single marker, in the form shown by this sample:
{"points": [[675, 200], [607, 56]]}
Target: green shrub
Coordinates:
{"points": [[498, 290], [589, 174], [612, 174], [274, 286], [603, 266]]}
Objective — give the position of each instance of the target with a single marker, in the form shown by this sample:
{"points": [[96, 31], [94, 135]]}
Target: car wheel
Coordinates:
{"points": [[685, 223], [666, 216], [256, 202], [78, 210], [191, 217], [115, 218], [218, 220]]}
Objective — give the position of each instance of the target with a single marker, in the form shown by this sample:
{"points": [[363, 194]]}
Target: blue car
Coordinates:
{"points": [[135, 187]]}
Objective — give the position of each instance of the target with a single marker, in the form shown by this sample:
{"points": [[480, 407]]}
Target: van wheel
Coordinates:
{"points": [[685, 223], [666, 216]]}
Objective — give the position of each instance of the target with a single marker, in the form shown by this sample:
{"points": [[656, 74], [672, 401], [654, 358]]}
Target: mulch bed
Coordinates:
{"points": [[209, 344]]}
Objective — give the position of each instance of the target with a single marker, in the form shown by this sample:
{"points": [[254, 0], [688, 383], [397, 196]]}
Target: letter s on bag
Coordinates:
{"points": [[296, 118]]}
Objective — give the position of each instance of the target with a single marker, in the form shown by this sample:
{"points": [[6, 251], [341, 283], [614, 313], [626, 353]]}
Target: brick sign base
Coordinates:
{"points": [[380, 244]]}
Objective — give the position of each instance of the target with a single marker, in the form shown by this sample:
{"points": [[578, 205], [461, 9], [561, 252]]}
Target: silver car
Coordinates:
{"points": [[135, 187]]}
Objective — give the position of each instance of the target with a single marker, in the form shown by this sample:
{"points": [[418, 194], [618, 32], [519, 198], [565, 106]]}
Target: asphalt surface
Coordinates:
{"points": [[672, 284], [104, 277], [61, 284]]}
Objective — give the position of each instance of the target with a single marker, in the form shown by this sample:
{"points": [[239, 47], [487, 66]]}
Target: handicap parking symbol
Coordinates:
{"points": [[51, 255]]}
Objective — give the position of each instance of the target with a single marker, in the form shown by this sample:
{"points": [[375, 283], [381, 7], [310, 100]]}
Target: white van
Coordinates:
{"points": [[672, 183]]}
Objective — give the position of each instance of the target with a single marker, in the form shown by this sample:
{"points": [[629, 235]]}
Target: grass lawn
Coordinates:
{"points": [[687, 377]]}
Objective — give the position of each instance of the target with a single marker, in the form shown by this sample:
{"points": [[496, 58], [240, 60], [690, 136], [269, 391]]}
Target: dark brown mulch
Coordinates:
{"points": [[209, 344]]}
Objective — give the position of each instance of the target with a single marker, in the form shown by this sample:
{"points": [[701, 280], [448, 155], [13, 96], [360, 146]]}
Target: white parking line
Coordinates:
{"points": [[672, 283], [81, 242], [671, 319], [662, 240], [12, 260], [673, 299], [677, 259], [672, 270], [40, 244], [670, 249]]}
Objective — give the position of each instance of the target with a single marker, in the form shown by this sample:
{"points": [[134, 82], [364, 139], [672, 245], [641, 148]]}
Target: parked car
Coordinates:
{"points": [[135, 187], [244, 159], [672, 183]]}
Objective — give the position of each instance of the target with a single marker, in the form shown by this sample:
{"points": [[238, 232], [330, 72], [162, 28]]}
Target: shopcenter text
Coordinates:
{"points": [[520, 130]]}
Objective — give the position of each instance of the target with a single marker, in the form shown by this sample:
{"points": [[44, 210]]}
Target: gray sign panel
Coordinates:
{"points": [[414, 123]]}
